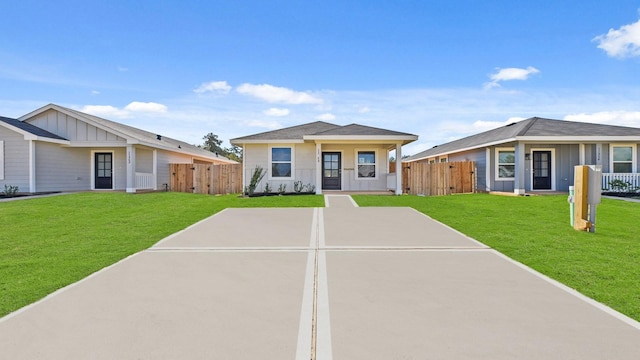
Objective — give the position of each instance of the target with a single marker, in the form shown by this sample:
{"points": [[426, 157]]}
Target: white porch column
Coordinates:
{"points": [[32, 166], [487, 170], [155, 169], [582, 153], [518, 181], [398, 168], [131, 168], [599, 155], [318, 168]]}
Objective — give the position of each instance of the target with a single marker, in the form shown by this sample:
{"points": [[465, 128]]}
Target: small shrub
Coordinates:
{"points": [[297, 186], [311, 188], [267, 188], [619, 185], [256, 177], [282, 188], [10, 190]]}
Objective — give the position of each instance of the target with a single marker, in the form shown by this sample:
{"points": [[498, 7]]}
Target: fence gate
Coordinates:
{"points": [[439, 178], [206, 178]]}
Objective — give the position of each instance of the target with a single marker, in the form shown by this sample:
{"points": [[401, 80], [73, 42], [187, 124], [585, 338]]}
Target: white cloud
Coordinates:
{"points": [[622, 118], [274, 94], [108, 111], [105, 111], [364, 110], [122, 69], [147, 107], [213, 86], [621, 43], [276, 112], [326, 117], [271, 125], [508, 74], [95, 92]]}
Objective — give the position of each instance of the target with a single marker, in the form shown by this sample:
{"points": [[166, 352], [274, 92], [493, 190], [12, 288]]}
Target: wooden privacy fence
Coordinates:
{"points": [[439, 178], [206, 178]]}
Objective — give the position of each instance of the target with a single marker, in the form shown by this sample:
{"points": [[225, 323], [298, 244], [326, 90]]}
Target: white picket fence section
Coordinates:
{"points": [[144, 181]]}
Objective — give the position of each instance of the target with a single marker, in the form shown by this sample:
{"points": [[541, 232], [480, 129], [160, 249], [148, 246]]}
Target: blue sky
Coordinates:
{"points": [[438, 69]]}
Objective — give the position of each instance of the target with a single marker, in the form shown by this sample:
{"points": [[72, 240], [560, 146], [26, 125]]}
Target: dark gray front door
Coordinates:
{"points": [[104, 170], [542, 170], [331, 171]]}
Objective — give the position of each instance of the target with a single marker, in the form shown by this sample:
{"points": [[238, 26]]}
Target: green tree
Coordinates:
{"points": [[212, 143]]}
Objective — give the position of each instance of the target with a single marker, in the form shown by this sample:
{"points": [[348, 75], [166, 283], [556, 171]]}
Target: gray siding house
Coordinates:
{"points": [[328, 156], [60, 149], [539, 154]]}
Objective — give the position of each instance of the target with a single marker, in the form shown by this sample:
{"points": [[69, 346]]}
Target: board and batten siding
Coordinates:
{"points": [[72, 129], [144, 160], [15, 163], [62, 168]]}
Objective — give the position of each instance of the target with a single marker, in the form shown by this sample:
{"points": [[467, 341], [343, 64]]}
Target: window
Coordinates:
{"points": [[443, 159], [1, 160], [506, 163], [366, 164], [622, 158], [281, 162]]}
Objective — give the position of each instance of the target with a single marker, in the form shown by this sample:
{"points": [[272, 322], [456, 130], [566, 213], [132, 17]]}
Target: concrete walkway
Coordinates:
{"points": [[337, 282]]}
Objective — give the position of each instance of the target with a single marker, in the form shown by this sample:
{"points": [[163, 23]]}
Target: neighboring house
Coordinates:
{"points": [[59, 149], [327, 156], [540, 154]]}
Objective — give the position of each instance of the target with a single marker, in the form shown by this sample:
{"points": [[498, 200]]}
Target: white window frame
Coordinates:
{"points": [[1, 160], [497, 167], [376, 164], [444, 159], [93, 168], [633, 156], [293, 161]]}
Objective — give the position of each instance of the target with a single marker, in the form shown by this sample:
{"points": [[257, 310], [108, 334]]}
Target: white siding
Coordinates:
{"points": [[1, 160], [144, 160], [71, 128], [62, 168], [164, 159], [350, 182], [256, 154], [15, 160]]}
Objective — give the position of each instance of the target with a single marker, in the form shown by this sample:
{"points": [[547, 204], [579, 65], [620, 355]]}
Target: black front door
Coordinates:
{"points": [[104, 170], [542, 170], [331, 171]]}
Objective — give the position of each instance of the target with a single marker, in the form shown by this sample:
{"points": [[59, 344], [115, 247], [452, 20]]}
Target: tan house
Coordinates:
{"points": [[55, 148], [327, 156]]}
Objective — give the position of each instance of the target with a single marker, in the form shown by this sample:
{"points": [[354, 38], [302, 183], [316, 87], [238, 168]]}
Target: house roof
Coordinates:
{"points": [[23, 127], [321, 130], [132, 134], [534, 129]]}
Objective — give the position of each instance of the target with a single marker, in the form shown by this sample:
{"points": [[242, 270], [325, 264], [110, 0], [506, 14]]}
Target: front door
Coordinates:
{"points": [[542, 170], [103, 170], [331, 171]]}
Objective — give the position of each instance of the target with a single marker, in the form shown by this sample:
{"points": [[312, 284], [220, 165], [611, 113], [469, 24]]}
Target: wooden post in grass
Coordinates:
{"points": [[581, 188]]}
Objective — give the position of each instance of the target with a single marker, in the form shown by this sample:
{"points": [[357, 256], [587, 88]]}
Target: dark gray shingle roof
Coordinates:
{"points": [[319, 128], [32, 129], [290, 133], [530, 127]]}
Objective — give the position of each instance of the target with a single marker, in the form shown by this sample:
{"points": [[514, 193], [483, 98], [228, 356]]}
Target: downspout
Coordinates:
{"points": [[32, 166]]}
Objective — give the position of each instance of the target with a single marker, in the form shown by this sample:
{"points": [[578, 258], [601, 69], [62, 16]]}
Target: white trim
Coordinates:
{"points": [[497, 167], [293, 162], [350, 138], [376, 164], [582, 150], [93, 167], [32, 166], [1, 160], [634, 159], [574, 139], [552, 168], [264, 142], [455, 151], [443, 159]]}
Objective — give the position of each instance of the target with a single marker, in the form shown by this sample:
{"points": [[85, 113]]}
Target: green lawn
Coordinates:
{"points": [[535, 230], [48, 243]]}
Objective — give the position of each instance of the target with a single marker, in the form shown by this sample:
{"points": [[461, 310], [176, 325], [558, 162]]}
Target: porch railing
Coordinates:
{"points": [[144, 180], [391, 181], [622, 182]]}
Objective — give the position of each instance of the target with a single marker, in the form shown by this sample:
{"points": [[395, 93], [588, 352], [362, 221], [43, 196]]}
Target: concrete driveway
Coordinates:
{"points": [[337, 282]]}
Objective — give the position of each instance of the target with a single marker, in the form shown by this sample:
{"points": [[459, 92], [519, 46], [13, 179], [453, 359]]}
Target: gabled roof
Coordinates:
{"points": [[535, 129], [132, 134], [320, 130], [28, 129]]}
